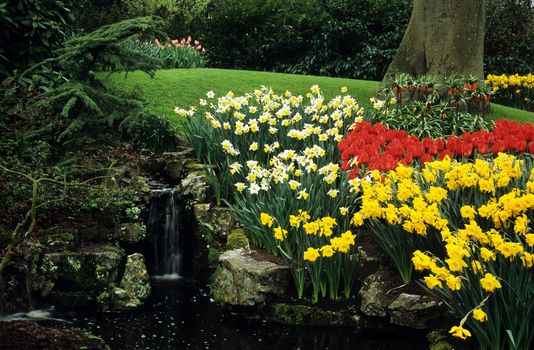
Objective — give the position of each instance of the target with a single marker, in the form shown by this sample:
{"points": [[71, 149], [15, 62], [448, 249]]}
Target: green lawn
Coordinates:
{"points": [[183, 88]]}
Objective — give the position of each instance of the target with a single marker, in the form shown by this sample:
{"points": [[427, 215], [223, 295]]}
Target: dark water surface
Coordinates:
{"points": [[180, 315]]}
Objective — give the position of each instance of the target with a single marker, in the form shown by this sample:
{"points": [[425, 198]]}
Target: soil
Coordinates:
{"points": [[21, 335]]}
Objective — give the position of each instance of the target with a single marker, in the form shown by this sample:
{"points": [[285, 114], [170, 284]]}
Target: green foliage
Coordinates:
{"points": [[154, 133], [30, 30], [260, 35], [358, 39], [425, 108], [92, 113], [509, 38], [179, 16], [104, 49], [171, 55], [341, 38]]}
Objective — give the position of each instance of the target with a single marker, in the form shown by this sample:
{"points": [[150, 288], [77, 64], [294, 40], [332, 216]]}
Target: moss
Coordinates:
{"points": [[237, 239], [213, 256], [215, 276]]}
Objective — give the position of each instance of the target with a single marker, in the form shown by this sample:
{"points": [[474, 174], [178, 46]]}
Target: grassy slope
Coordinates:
{"points": [[183, 88]]}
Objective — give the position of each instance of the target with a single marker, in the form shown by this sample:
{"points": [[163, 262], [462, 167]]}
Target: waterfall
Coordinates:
{"points": [[163, 227]]}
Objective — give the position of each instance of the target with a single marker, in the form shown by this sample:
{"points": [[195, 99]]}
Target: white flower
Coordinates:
{"points": [[210, 94], [239, 186], [254, 188]]}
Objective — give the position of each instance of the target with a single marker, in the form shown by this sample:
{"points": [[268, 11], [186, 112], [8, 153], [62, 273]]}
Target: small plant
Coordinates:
{"points": [[425, 108]]}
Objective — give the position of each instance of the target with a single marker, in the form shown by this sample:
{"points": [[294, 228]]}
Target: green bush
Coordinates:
{"points": [[509, 40], [358, 40], [179, 16], [260, 35], [154, 133], [30, 30]]}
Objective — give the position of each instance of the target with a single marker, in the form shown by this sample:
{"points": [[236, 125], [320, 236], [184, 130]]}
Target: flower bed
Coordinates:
{"points": [[513, 90], [298, 172]]}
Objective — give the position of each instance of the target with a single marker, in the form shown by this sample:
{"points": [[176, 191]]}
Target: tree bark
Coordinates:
{"points": [[443, 37]]}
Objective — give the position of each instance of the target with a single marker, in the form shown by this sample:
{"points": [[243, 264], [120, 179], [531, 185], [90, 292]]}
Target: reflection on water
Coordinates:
{"points": [[180, 315]]}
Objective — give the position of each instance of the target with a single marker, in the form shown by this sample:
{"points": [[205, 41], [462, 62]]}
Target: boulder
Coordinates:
{"points": [[74, 278], [217, 220], [174, 169], [245, 278], [415, 311], [383, 295], [196, 185], [135, 284]]}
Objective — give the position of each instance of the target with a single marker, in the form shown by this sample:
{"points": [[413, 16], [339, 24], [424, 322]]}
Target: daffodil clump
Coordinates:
{"points": [[513, 90], [322, 250], [277, 155], [467, 228]]}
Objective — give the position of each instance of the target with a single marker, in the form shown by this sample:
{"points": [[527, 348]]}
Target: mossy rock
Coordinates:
{"points": [[439, 340], [237, 239], [305, 315]]}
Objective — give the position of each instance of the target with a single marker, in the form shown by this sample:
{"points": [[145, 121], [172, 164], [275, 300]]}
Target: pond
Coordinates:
{"points": [[180, 315]]}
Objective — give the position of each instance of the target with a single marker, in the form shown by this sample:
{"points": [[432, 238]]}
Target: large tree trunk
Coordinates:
{"points": [[442, 38]]}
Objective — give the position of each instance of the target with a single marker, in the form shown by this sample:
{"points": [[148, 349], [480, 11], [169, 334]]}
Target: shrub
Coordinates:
{"points": [[260, 35], [509, 37], [30, 30], [357, 39]]}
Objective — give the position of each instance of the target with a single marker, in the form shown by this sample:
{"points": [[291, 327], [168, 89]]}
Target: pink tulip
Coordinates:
{"points": [[188, 39], [183, 41], [196, 42]]}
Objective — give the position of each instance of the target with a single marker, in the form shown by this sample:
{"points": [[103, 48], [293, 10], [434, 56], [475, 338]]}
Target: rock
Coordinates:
{"points": [[373, 294], [135, 284], [237, 239], [415, 311], [131, 232], [36, 336], [440, 340], [304, 315], [56, 239], [174, 170], [217, 220], [244, 279], [197, 186], [75, 278], [140, 184], [383, 295]]}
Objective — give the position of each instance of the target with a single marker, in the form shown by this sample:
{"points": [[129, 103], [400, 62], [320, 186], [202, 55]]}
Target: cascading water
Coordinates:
{"points": [[163, 227]]}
